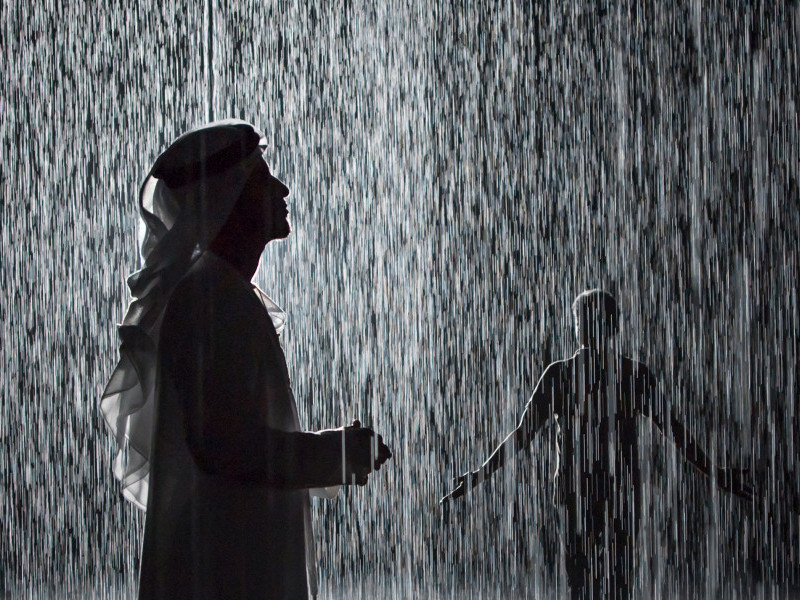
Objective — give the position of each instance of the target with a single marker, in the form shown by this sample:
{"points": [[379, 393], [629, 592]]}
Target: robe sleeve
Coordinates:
{"points": [[209, 348]]}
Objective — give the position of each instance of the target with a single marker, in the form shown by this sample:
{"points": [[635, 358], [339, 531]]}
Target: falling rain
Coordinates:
{"points": [[459, 172]]}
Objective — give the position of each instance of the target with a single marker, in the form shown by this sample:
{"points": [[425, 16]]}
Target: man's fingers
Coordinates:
{"points": [[734, 481], [382, 455], [380, 452], [383, 452], [747, 491], [359, 476], [368, 447], [379, 446], [363, 476]]}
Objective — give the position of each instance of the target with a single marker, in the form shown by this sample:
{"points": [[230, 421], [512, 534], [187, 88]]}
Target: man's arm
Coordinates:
{"points": [[730, 480], [689, 447], [287, 459], [533, 418], [210, 352]]}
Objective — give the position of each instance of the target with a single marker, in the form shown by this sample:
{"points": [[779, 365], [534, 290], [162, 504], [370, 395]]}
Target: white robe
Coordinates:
{"points": [[228, 504]]}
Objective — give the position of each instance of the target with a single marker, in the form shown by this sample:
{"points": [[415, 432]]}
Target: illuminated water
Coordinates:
{"points": [[459, 172]]}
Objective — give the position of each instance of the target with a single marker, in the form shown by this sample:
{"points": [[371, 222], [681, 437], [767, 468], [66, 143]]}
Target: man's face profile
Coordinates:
{"points": [[263, 208]]}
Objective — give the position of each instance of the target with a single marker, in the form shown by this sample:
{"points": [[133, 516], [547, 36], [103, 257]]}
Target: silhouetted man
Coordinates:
{"points": [[201, 396], [596, 397]]}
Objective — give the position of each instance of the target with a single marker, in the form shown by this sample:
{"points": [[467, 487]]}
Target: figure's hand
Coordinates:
{"points": [[735, 481], [364, 452], [459, 489]]}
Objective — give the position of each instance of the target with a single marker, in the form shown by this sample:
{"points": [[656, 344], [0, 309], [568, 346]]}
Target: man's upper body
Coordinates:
{"points": [[221, 358], [598, 397]]}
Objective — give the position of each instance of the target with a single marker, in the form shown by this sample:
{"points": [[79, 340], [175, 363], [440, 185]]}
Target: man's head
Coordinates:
{"points": [[195, 184], [596, 317], [215, 191]]}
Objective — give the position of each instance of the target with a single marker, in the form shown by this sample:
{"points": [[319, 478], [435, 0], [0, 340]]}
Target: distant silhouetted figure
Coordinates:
{"points": [[596, 396], [201, 403]]}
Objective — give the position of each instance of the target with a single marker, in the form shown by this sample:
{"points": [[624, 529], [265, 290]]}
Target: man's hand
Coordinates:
{"points": [[735, 482], [459, 488], [364, 452]]}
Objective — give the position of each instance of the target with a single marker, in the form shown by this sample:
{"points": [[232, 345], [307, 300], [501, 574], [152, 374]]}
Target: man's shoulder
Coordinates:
{"points": [[636, 369], [629, 363], [192, 290], [209, 272], [208, 285], [627, 367]]}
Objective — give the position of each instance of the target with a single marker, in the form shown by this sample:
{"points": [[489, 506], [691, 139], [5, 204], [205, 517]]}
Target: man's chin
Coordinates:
{"points": [[282, 232]]}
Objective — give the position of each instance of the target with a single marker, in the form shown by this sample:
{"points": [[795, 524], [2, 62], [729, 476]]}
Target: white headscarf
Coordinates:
{"points": [[185, 200]]}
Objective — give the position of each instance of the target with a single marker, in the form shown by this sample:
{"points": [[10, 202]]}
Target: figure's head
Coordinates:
{"points": [[212, 189], [596, 317], [199, 179]]}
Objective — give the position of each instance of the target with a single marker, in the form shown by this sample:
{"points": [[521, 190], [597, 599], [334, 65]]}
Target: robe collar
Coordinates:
{"points": [[276, 314]]}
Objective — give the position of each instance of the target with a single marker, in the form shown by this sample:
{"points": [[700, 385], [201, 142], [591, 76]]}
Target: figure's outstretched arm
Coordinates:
{"points": [[728, 479], [689, 447], [533, 418], [655, 406]]}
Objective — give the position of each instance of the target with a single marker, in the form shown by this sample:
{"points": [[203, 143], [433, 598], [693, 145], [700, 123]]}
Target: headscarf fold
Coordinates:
{"points": [[184, 201]]}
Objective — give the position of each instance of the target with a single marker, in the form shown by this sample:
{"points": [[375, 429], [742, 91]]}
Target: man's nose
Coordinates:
{"points": [[280, 189]]}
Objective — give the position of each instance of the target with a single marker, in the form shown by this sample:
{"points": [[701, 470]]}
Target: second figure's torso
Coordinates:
{"points": [[597, 402]]}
